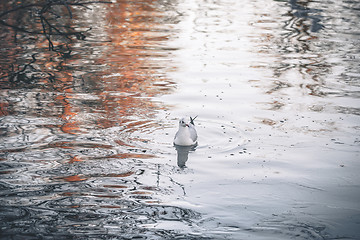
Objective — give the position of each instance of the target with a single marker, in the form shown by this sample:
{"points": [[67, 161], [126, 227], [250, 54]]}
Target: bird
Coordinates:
{"points": [[186, 135]]}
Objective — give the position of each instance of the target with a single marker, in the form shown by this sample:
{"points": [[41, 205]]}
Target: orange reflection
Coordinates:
{"points": [[70, 126], [75, 178], [115, 186], [110, 206], [104, 82], [132, 155], [136, 62], [134, 58], [106, 196], [140, 192], [4, 108], [126, 174], [75, 159]]}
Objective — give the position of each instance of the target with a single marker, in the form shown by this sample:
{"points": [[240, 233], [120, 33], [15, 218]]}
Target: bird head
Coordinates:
{"points": [[182, 123]]}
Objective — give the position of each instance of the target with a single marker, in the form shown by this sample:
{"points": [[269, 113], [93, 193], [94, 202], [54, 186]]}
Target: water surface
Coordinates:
{"points": [[88, 118]]}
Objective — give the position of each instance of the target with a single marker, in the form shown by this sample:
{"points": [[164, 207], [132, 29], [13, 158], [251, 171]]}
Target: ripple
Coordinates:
{"points": [[211, 24], [220, 137], [84, 154], [12, 213], [289, 229]]}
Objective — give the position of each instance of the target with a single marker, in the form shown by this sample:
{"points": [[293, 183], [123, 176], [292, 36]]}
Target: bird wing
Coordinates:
{"points": [[193, 133]]}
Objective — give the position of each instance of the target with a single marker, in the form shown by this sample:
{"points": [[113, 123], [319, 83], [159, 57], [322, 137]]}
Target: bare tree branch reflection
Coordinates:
{"points": [[56, 25]]}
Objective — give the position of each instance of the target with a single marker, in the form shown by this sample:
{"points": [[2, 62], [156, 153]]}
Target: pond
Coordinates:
{"points": [[92, 92]]}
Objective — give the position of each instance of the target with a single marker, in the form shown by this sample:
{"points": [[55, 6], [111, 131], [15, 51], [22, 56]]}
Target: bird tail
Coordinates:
{"points": [[192, 120]]}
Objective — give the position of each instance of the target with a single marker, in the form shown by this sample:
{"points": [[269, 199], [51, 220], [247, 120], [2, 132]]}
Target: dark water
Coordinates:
{"points": [[91, 94]]}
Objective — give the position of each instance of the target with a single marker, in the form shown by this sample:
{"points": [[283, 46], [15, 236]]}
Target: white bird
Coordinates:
{"points": [[186, 135]]}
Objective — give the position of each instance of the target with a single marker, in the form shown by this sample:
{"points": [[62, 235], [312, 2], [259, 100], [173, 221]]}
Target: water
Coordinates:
{"points": [[88, 119]]}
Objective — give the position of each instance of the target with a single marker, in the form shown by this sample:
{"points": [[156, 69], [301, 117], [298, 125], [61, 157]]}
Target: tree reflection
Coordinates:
{"points": [[299, 38], [32, 22], [64, 50], [77, 86], [296, 47]]}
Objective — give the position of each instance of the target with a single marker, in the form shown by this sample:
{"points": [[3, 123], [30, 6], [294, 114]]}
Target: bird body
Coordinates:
{"points": [[186, 135]]}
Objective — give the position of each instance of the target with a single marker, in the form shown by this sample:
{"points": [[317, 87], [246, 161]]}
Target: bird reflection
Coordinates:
{"points": [[183, 154]]}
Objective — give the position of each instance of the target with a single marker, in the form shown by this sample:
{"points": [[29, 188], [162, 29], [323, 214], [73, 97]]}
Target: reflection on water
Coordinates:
{"points": [[76, 84], [86, 128], [313, 43], [183, 154]]}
